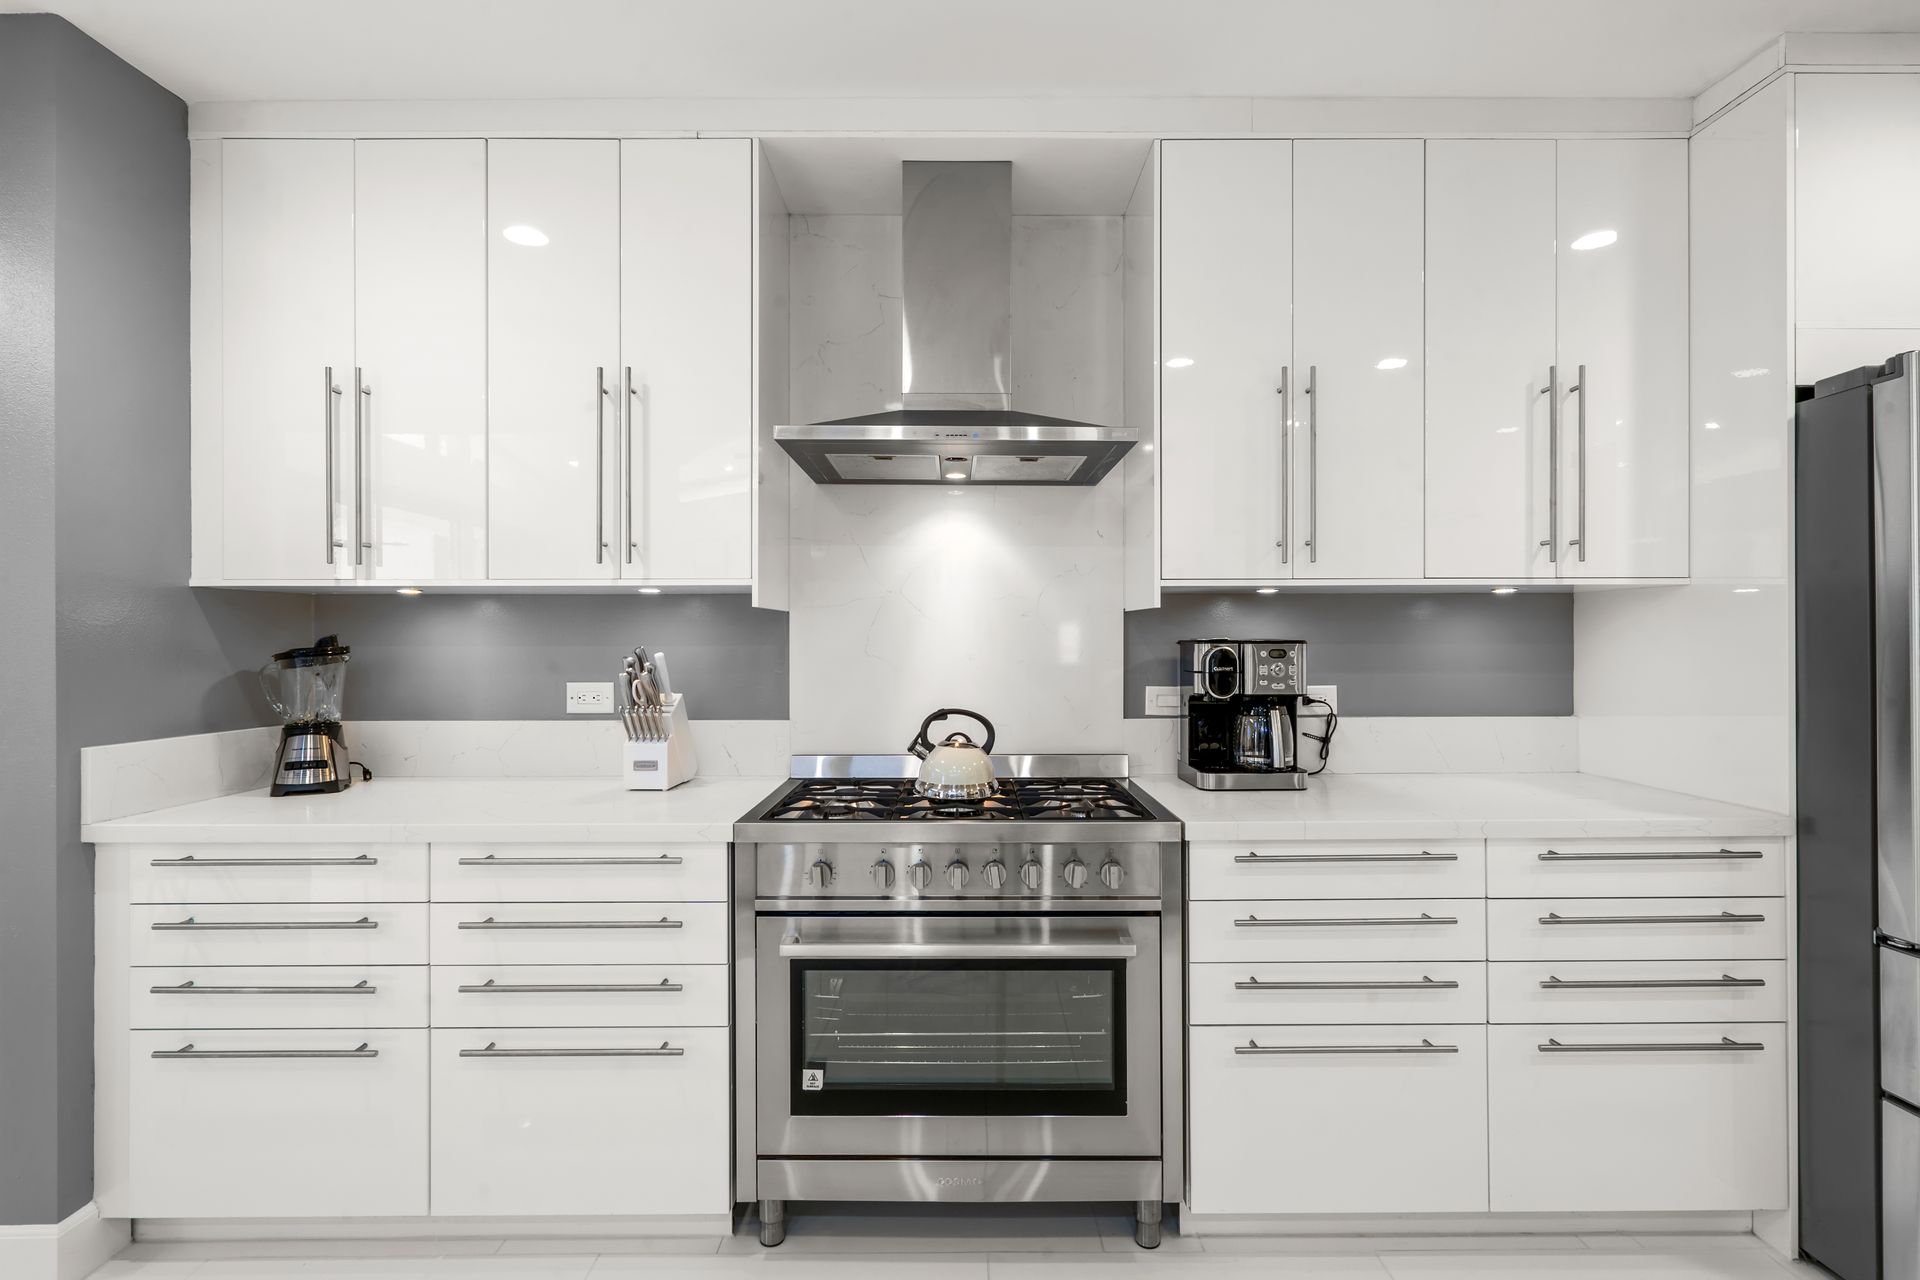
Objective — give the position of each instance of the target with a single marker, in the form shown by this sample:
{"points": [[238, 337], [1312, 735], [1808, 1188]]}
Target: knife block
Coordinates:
{"points": [[660, 766]]}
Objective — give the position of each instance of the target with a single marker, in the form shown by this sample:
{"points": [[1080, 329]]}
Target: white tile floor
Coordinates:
{"points": [[958, 1245]]}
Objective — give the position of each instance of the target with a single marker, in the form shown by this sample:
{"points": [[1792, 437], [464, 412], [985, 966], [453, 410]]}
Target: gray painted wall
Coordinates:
{"points": [[455, 657], [1453, 654], [102, 641]]}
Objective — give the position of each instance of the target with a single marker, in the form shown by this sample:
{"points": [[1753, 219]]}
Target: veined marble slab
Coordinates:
{"points": [[135, 777], [1404, 744]]}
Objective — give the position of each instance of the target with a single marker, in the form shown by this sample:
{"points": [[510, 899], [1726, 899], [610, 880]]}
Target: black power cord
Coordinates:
{"points": [[1324, 739]]}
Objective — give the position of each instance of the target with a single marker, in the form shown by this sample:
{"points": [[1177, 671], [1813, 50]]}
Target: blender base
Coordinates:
{"points": [[312, 760]]}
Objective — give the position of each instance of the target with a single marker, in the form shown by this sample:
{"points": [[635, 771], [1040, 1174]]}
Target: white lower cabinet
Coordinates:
{"points": [[1423, 991], [581, 1121], [1373, 1119], [1638, 1117], [239, 1124]]}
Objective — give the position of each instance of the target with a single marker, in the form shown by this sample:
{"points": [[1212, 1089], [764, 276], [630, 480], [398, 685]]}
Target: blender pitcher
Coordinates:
{"points": [[306, 688]]}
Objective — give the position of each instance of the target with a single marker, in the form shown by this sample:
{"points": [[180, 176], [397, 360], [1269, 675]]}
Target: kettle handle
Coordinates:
{"points": [[921, 744]]}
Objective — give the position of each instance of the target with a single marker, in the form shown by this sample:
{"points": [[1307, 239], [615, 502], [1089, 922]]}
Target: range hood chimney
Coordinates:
{"points": [[956, 423]]}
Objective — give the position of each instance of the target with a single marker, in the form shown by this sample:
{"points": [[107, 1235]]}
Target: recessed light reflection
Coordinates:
{"points": [[1745, 591], [648, 591], [1392, 362], [1504, 591], [1749, 373], [1266, 591], [1180, 362], [1595, 240], [522, 234], [406, 591], [1711, 426]]}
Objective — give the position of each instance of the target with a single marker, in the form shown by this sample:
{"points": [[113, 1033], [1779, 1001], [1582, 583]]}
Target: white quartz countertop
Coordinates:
{"points": [[414, 810], [1438, 806]]}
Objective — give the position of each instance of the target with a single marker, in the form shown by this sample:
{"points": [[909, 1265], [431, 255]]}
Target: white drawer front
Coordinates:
{"points": [[1630, 1118], [1219, 870], [1637, 991], [606, 995], [1348, 1120], [1442, 991], [1636, 929], [1635, 868], [581, 1121], [284, 996], [279, 933], [579, 933], [276, 872], [282, 1136], [1346, 929], [579, 873]]}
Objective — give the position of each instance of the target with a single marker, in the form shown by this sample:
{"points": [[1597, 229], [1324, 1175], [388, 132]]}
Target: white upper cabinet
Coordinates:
{"points": [[553, 354], [286, 359], [686, 366], [1358, 359], [1622, 321], [1226, 341], [1490, 344], [420, 269], [1857, 182]]}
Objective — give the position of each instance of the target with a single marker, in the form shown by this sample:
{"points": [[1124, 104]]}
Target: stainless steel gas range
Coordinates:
{"points": [[974, 1000]]}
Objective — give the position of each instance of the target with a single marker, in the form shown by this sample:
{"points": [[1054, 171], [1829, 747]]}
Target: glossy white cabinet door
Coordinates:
{"points": [[1226, 340], [1857, 183], [1490, 341], [553, 350], [1358, 255], [1623, 318], [686, 341], [286, 317], [420, 266]]}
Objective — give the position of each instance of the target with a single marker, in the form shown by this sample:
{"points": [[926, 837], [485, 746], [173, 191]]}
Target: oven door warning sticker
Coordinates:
{"points": [[813, 1080]]}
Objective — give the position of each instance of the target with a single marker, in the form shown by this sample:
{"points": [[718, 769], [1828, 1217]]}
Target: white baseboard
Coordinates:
{"points": [[1474, 1224], [66, 1250], [192, 1230]]}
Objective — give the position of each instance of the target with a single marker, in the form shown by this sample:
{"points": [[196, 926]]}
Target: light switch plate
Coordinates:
{"points": [[1328, 693], [1164, 699], [589, 697]]}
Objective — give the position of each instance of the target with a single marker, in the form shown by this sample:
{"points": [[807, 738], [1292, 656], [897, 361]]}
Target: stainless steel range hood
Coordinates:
{"points": [[956, 422]]}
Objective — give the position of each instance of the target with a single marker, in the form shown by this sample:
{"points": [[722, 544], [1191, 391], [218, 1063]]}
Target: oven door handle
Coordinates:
{"points": [[1116, 946]]}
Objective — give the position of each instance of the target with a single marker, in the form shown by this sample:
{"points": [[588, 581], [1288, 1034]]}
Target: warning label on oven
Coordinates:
{"points": [[813, 1080]]}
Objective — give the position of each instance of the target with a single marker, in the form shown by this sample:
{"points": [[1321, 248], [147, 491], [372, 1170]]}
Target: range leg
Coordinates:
{"points": [[773, 1222], [1146, 1223]]}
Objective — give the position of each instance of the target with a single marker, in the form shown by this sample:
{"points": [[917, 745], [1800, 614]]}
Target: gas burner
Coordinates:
{"points": [[893, 799]]}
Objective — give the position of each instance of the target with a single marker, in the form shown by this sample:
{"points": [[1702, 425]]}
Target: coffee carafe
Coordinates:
{"points": [[1242, 714], [306, 688]]}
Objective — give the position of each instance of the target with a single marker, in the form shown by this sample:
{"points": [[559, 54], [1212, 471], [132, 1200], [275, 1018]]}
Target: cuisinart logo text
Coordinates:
{"points": [[959, 1181]]}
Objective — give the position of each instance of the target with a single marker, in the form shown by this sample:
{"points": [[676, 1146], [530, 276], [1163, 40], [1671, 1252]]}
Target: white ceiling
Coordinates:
{"points": [[291, 50]]}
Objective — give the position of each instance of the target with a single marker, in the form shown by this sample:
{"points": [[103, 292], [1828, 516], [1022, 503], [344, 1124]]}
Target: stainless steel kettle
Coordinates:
{"points": [[956, 769]]}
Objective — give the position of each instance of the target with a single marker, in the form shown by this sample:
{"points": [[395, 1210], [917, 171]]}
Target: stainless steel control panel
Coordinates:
{"points": [[984, 872]]}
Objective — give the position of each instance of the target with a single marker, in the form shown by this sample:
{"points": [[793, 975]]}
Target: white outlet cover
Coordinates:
{"points": [[589, 697], [1327, 693], [1164, 699]]}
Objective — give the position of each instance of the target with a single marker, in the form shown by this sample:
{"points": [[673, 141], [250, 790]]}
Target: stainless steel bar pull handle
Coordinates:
{"points": [[1270, 859], [1422, 984], [1714, 855], [1313, 464], [1553, 983], [1722, 1045], [491, 987], [491, 923], [362, 465], [1118, 948], [1552, 392], [1286, 470], [1579, 388], [494, 1051], [495, 860], [1425, 1046], [1723, 917], [191, 988], [626, 465], [188, 1051], [331, 390], [363, 860], [363, 922], [599, 464], [1255, 922]]}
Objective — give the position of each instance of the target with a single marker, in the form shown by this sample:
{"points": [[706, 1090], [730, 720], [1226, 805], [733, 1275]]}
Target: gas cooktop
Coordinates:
{"points": [[1014, 799]]}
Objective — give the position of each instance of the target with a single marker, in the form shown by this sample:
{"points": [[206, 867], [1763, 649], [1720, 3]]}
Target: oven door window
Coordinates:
{"points": [[959, 1037]]}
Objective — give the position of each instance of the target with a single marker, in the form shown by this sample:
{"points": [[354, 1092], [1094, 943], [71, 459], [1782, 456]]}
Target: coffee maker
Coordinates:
{"points": [[1241, 705], [306, 687]]}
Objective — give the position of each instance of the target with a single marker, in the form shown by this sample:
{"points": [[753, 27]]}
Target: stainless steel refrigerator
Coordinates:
{"points": [[1857, 446]]}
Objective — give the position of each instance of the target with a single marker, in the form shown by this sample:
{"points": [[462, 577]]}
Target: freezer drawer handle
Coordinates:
{"points": [[1723, 1045], [191, 988], [1425, 1046], [1724, 917], [1717, 855], [491, 1051], [363, 860], [1255, 922], [491, 923], [188, 1051], [1625, 984], [190, 923], [495, 860], [491, 987], [1424, 984], [1424, 855]]}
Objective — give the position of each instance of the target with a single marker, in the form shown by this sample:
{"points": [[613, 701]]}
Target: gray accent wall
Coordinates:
{"points": [[473, 657], [1441, 654], [101, 639]]}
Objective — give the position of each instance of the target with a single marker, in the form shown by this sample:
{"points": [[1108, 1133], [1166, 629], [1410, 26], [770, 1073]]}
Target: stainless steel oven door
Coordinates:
{"points": [[938, 1036]]}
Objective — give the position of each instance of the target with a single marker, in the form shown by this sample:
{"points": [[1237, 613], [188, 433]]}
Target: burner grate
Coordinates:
{"points": [[1013, 800]]}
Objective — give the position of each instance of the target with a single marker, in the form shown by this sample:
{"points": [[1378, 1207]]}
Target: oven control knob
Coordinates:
{"points": [[919, 874], [957, 874], [1112, 873], [1075, 873], [883, 874], [1031, 873], [820, 874], [995, 873]]}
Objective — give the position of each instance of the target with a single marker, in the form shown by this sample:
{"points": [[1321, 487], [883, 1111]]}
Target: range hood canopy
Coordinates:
{"points": [[957, 423]]}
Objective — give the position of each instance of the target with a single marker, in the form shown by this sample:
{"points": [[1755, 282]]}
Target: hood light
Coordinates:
{"points": [[956, 468], [1266, 591], [1595, 240], [406, 591], [648, 591], [1504, 591], [522, 234]]}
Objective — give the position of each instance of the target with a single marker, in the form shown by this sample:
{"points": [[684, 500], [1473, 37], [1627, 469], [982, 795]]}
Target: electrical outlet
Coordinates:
{"points": [[1328, 693], [589, 697], [1164, 699]]}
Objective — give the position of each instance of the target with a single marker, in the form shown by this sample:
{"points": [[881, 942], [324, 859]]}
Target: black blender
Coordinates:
{"points": [[306, 687]]}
